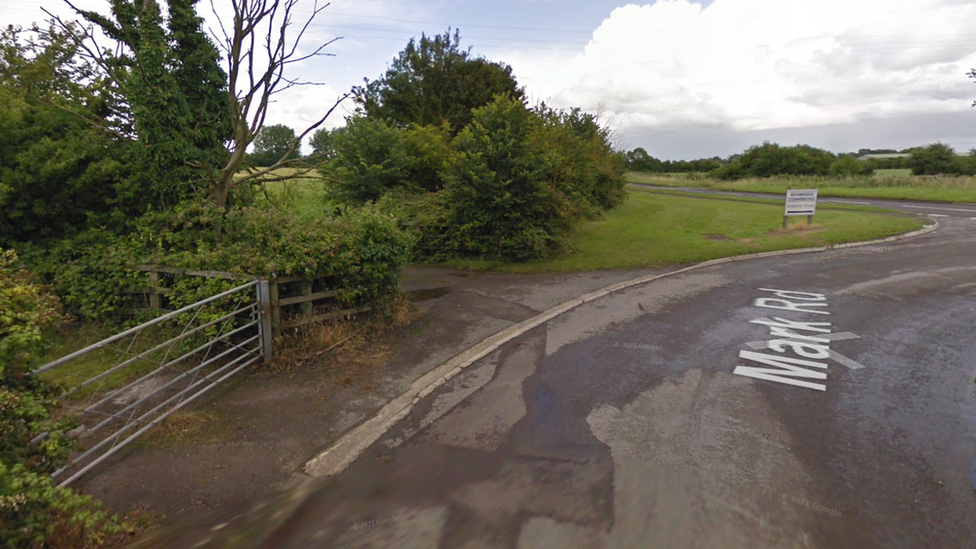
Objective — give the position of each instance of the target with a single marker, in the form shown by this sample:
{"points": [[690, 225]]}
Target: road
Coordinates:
{"points": [[934, 209], [803, 401]]}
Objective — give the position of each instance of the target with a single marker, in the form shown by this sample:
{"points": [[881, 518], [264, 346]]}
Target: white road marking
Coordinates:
{"points": [[853, 365], [839, 336], [849, 202], [938, 215], [942, 208]]}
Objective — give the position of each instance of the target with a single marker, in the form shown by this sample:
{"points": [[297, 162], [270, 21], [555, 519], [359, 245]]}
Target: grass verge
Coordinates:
{"points": [[896, 187], [655, 229]]}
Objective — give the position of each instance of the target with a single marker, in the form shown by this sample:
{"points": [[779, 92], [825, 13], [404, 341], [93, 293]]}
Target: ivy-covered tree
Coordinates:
{"points": [[434, 80], [194, 119], [168, 74]]}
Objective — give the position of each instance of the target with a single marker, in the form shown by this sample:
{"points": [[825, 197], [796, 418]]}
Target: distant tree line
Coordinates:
{"points": [[772, 159]]}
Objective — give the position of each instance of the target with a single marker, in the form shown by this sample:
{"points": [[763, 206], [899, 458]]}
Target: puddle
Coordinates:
{"points": [[429, 293]]}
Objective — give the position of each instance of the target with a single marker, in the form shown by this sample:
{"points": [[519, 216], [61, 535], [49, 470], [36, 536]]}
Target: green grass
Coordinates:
{"points": [[656, 229], [305, 196], [73, 337], [888, 186], [894, 172]]}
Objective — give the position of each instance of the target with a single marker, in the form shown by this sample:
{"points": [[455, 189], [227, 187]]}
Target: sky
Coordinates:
{"points": [[682, 79]]}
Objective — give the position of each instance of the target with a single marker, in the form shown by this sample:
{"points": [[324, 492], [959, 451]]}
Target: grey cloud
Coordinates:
{"points": [[899, 132]]}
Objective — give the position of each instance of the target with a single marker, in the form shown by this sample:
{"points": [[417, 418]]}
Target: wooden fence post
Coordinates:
{"points": [[275, 308], [155, 303]]}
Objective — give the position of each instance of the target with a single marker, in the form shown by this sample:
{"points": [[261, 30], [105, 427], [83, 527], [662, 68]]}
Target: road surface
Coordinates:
{"points": [[805, 401]]}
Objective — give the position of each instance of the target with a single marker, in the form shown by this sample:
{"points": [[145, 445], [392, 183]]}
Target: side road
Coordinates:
{"points": [[262, 430], [936, 209], [257, 433]]}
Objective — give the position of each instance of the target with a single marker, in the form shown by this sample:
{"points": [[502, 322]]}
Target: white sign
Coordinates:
{"points": [[801, 201]]}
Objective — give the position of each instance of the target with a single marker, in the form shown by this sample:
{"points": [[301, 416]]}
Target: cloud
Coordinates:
{"points": [[752, 65]]}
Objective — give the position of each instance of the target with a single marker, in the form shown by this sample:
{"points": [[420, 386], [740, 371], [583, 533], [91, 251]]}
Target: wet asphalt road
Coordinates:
{"points": [[814, 401]]}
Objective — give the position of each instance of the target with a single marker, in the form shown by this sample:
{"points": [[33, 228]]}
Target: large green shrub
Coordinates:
{"points": [[503, 203], [936, 159], [587, 169], [372, 157], [847, 166]]}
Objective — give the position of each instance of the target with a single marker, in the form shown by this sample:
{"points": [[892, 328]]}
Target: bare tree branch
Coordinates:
{"points": [[284, 161]]}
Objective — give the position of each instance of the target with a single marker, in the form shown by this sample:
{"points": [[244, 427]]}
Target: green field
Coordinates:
{"points": [[305, 195], [656, 229], [896, 172], [886, 185]]}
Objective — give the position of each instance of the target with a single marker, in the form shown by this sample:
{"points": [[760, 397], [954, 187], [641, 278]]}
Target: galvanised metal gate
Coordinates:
{"points": [[161, 366]]}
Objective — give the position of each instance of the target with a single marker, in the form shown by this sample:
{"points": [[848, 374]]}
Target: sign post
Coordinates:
{"points": [[800, 202]]}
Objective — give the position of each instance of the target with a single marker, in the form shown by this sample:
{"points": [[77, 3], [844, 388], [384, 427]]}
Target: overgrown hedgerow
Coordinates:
{"points": [[34, 512], [361, 251]]}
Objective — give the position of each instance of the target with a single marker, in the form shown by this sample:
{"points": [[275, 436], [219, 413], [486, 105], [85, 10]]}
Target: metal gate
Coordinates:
{"points": [[161, 366]]}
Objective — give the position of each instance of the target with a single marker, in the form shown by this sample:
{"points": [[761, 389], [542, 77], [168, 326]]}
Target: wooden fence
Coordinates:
{"points": [[295, 300]]}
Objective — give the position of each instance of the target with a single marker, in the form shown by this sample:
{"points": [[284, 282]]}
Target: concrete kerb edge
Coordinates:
{"points": [[348, 448]]}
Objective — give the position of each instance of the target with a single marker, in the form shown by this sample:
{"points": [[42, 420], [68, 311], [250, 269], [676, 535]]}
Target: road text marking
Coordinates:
{"points": [[809, 341]]}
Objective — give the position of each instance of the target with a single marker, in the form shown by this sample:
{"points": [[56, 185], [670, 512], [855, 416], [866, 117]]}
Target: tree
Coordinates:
{"points": [[323, 143], [935, 159], [373, 157], [847, 166], [771, 159], [498, 186], [184, 104], [59, 171], [434, 80], [171, 88], [273, 143]]}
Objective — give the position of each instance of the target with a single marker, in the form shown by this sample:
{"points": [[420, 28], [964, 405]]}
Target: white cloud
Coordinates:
{"points": [[764, 64]]}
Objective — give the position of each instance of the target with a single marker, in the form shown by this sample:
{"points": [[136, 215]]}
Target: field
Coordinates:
{"points": [[306, 196], [654, 229], [892, 184]]}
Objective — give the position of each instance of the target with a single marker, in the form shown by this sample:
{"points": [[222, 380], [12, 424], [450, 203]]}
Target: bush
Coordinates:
{"points": [[847, 166], [372, 157], [935, 159], [587, 168], [87, 272], [502, 202], [362, 250], [770, 160], [33, 511]]}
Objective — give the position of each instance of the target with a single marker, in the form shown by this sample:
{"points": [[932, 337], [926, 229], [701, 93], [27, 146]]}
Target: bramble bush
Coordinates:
{"points": [[361, 251], [34, 512]]}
